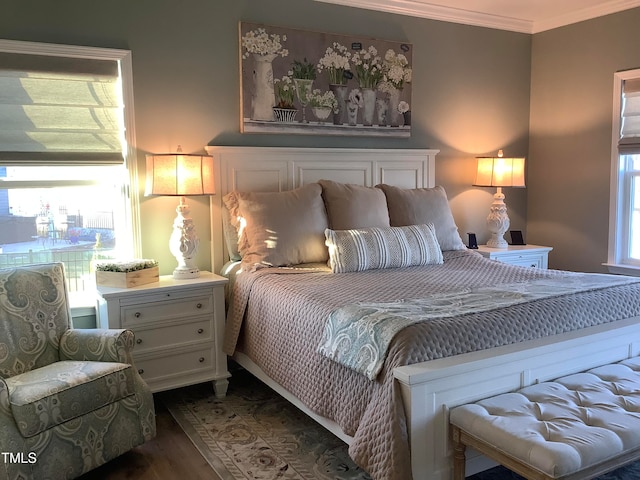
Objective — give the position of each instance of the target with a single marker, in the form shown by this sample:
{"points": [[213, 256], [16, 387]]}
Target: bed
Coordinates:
{"points": [[394, 413]]}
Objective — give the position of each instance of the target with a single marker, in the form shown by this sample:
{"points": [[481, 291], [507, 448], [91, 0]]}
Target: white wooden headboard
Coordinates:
{"points": [[269, 169]]}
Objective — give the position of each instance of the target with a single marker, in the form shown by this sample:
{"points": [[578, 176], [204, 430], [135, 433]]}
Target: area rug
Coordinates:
{"points": [[254, 433]]}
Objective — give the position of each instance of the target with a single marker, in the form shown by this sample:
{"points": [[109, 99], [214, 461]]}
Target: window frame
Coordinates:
{"points": [[123, 58], [621, 189]]}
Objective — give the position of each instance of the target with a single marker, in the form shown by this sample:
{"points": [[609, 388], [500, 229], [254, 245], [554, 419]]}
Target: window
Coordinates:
{"points": [[66, 158], [624, 227]]}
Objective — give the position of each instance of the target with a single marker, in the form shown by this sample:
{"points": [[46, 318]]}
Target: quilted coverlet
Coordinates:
{"points": [[277, 317], [358, 335]]}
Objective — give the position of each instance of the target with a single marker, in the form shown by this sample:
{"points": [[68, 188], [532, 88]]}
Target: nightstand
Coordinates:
{"points": [[179, 329], [523, 255]]}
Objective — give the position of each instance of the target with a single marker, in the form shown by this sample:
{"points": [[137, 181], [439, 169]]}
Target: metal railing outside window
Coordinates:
{"points": [[78, 263]]}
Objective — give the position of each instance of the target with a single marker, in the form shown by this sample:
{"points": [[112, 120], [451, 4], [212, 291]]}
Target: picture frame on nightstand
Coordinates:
{"points": [[516, 237], [473, 241]]}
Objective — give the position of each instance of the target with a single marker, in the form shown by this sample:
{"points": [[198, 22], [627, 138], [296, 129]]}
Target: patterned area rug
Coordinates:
{"points": [[254, 433]]}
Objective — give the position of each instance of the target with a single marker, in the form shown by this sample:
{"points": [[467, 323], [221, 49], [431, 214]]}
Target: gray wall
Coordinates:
{"points": [[570, 137], [470, 88]]}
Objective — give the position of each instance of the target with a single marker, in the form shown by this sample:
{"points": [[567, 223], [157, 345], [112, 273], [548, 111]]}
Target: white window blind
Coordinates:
{"points": [[67, 158], [624, 207], [630, 117], [59, 109]]}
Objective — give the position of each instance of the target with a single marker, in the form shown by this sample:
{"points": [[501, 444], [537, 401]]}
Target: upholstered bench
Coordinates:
{"points": [[576, 427]]}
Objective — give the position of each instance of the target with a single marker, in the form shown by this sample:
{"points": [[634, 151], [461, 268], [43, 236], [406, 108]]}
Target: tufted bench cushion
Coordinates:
{"points": [[577, 423]]}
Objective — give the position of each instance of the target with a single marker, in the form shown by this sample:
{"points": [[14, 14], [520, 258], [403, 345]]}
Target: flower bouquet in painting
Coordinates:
{"points": [[285, 110], [396, 73], [369, 72], [336, 62], [404, 110], [263, 48], [322, 103], [368, 66]]}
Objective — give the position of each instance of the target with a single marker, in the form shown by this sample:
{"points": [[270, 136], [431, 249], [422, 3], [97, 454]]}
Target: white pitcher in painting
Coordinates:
{"points": [[264, 97], [263, 48]]}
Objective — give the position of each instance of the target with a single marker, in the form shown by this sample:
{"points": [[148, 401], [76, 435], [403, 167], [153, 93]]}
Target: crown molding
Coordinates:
{"points": [[448, 14], [606, 8]]}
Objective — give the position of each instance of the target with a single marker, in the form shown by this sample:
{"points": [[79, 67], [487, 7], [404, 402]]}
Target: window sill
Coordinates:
{"points": [[82, 304], [622, 269]]}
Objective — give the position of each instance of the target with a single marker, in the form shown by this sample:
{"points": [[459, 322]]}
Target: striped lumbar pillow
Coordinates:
{"points": [[382, 247]]}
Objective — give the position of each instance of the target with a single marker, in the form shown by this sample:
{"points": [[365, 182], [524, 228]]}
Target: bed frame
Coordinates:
{"points": [[429, 389]]}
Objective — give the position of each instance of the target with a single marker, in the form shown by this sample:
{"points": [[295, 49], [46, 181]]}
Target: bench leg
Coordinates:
{"points": [[459, 459]]}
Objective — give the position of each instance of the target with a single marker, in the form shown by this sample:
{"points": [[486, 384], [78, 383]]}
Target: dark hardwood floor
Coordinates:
{"points": [[169, 456]]}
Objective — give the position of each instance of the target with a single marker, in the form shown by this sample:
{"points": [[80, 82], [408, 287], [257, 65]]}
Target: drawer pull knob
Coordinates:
{"points": [[200, 330], [141, 371], [139, 341], [201, 359], [137, 314], [199, 305]]}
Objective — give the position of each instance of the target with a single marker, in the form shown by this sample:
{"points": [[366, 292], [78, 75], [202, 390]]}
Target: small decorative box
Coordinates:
{"points": [[126, 274]]}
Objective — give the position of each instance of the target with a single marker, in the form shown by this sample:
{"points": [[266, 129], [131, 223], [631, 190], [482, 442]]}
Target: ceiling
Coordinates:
{"points": [[526, 16]]}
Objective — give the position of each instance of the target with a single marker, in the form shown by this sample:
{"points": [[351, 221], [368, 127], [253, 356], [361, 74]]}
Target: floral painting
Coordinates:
{"points": [[301, 82]]}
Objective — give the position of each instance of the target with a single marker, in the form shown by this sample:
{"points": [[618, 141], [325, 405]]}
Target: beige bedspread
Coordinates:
{"points": [[278, 320]]}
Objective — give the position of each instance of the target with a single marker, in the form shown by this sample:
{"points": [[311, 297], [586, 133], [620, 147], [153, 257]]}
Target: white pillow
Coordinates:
{"points": [[382, 247], [279, 228]]}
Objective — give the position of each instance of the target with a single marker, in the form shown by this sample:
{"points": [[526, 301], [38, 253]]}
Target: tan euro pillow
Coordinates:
{"points": [[354, 206], [422, 206], [280, 228]]}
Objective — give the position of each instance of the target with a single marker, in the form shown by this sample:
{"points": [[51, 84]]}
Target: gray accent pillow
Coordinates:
{"points": [[354, 206], [280, 228], [390, 247], [424, 205]]}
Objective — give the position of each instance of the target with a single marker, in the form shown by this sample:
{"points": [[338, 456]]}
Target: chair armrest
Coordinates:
{"points": [[97, 345], [5, 406]]}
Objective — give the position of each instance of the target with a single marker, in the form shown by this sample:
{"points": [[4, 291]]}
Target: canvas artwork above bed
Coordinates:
{"points": [[341, 284]]}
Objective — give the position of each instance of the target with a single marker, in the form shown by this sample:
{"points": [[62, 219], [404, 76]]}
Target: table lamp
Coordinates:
{"points": [[499, 172], [178, 174]]}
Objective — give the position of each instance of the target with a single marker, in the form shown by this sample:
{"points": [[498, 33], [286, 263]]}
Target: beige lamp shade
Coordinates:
{"points": [[179, 174], [500, 172]]}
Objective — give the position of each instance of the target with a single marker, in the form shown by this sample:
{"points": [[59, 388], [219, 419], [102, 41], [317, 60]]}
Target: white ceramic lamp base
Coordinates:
{"points": [[183, 243], [498, 221]]}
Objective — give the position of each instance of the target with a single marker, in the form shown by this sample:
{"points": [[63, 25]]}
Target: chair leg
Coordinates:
{"points": [[459, 458]]}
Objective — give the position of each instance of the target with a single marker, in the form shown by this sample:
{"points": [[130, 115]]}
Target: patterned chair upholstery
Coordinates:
{"points": [[70, 400]]}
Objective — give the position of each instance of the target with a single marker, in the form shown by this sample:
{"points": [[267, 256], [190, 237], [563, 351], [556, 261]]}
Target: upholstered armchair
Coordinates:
{"points": [[70, 400]]}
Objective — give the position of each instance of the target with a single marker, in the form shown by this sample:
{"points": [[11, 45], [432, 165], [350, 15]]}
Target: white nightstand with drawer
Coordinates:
{"points": [[523, 255], [179, 329]]}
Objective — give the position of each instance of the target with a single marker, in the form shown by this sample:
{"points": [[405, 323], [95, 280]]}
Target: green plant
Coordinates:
{"points": [[304, 70], [285, 92], [125, 266]]}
